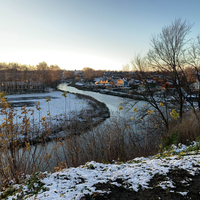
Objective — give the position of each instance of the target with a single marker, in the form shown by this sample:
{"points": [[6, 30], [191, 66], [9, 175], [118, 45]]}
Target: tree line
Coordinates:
{"points": [[15, 75], [88, 74]]}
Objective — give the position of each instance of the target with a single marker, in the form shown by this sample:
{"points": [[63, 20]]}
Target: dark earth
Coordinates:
{"points": [[191, 186]]}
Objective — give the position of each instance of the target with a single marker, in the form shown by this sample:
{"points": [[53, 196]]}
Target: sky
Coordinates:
{"points": [[101, 34]]}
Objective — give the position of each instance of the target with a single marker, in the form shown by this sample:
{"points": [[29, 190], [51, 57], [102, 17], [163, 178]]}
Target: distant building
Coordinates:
{"points": [[21, 86], [122, 83]]}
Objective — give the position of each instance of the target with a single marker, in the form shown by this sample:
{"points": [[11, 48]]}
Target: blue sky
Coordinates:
{"points": [[101, 34]]}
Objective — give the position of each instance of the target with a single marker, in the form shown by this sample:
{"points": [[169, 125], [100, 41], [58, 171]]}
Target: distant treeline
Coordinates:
{"points": [[15, 77]]}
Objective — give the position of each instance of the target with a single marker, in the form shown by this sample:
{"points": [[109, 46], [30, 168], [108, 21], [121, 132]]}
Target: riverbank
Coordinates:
{"points": [[77, 123], [106, 91], [85, 120], [63, 117]]}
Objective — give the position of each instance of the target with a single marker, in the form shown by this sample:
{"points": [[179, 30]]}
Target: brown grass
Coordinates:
{"points": [[117, 139], [188, 128]]}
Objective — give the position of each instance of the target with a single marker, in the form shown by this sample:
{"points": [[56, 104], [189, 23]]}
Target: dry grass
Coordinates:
{"points": [[18, 157], [117, 139], [188, 128]]}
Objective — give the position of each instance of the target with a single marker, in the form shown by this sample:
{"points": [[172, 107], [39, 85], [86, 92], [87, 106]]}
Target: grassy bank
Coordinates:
{"points": [[172, 174]]}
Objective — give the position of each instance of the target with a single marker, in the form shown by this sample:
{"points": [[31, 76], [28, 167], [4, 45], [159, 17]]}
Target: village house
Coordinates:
{"points": [[122, 83], [103, 82], [108, 83]]}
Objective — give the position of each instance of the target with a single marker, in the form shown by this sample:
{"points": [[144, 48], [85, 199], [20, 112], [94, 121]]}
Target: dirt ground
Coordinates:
{"points": [[191, 186]]}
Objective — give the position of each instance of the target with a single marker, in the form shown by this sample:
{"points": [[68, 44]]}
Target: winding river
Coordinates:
{"points": [[112, 102]]}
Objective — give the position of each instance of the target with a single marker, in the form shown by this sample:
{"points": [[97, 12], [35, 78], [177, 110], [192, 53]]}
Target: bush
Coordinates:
{"points": [[172, 139], [188, 128], [18, 156]]}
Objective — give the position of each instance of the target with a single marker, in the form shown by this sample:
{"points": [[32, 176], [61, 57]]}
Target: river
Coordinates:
{"points": [[112, 102]]}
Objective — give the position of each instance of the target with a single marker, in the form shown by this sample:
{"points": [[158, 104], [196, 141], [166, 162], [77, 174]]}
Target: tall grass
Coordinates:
{"points": [[18, 156], [187, 128], [116, 139]]}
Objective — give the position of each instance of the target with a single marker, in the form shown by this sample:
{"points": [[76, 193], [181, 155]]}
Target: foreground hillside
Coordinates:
{"points": [[171, 175]]}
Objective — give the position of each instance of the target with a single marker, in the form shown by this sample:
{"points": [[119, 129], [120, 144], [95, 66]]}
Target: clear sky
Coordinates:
{"points": [[101, 34]]}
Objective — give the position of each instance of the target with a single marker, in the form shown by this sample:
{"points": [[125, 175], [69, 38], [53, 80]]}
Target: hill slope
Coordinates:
{"points": [[170, 175]]}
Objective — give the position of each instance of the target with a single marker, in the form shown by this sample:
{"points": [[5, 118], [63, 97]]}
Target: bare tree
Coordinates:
{"points": [[190, 73], [42, 68], [125, 68], [142, 70], [69, 74], [98, 73], [167, 56], [88, 73], [54, 74], [193, 60]]}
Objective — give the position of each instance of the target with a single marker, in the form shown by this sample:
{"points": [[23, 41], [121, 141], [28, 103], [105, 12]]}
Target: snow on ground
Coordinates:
{"points": [[56, 106], [75, 183]]}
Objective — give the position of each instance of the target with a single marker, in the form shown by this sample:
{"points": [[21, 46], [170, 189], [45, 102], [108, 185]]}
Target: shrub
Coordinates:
{"points": [[172, 139], [18, 156], [188, 128]]}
